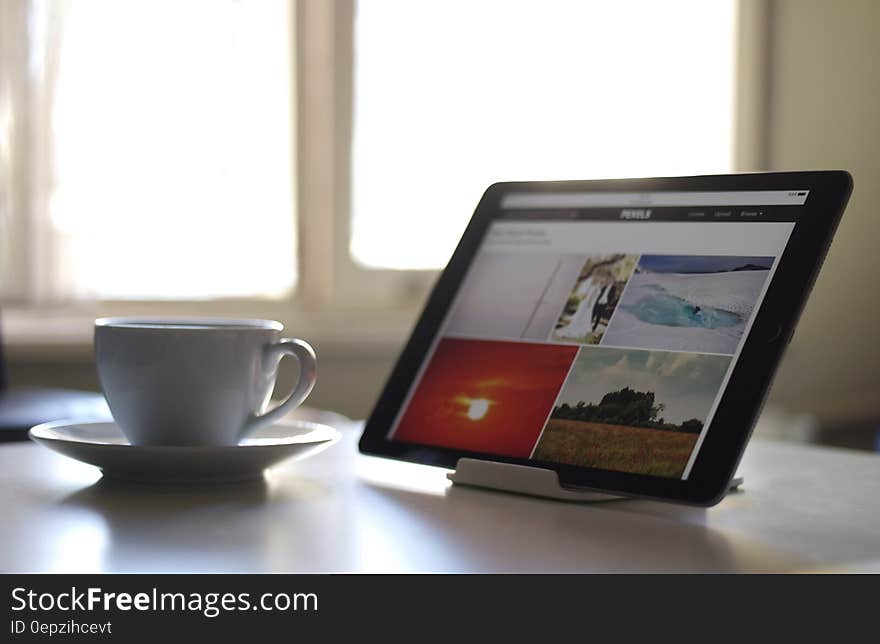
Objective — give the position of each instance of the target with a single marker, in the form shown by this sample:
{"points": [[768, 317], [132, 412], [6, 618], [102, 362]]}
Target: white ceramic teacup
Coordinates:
{"points": [[195, 381]]}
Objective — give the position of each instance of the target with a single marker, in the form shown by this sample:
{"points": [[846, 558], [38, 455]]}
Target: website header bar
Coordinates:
{"points": [[535, 200]]}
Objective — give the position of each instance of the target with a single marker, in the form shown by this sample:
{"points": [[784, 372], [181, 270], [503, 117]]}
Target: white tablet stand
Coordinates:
{"points": [[523, 479]]}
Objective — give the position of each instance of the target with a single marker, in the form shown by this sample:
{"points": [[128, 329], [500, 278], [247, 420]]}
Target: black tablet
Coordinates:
{"points": [[623, 333]]}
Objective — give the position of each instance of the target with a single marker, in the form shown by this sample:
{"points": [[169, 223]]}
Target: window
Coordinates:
{"points": [[198, 150], [450, 97], [167, 160]]}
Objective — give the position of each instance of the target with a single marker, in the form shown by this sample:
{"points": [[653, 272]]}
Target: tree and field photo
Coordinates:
{"points": [[632, 410]]}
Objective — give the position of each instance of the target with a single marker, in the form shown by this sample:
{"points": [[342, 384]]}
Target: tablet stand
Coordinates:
{"points": [[523, 479]]}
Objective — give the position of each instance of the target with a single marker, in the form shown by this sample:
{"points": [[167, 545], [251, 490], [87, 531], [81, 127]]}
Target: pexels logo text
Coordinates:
{"points": [[208, 604], [635, 213]]}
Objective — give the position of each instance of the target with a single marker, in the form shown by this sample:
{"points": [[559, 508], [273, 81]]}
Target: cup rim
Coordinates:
{"points": [[188, 324]]}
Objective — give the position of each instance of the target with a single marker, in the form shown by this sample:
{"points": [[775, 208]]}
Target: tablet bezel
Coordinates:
{"points": [[740, 405]]}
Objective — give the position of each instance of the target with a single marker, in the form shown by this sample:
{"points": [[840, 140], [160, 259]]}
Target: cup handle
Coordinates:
{"points": [[273, 353]]}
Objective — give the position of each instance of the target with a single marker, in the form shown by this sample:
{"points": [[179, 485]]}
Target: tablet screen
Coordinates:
{"points": [[599, 329]]}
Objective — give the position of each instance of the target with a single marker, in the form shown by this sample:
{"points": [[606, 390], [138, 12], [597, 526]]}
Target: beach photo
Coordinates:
{"points": [[631, 410], [592, 300], [696, 303], [484, 396]]}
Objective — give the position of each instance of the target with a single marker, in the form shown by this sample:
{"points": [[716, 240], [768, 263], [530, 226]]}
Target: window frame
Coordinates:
{"points": [[353, 283]]}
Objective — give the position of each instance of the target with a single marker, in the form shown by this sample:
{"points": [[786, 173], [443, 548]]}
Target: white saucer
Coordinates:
{"points": [[102, 444]]}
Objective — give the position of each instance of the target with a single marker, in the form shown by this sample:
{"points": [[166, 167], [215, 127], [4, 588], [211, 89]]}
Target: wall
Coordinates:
{"points": [[824, 113]]}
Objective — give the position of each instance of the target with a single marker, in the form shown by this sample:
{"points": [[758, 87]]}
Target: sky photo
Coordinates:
{"points": [[699, 263], [486, 396], [686, 383]]}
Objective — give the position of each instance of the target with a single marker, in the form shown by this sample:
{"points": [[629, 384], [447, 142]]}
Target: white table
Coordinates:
{"points": [[802, 509]]}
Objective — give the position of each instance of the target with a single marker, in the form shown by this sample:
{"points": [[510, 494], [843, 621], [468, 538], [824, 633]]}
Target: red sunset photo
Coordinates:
{"points": [[486, 396]]}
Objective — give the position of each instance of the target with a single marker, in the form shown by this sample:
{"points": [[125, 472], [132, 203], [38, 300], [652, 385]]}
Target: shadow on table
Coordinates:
{"points": [[168, 528], [117, 496], [488, 530]]}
